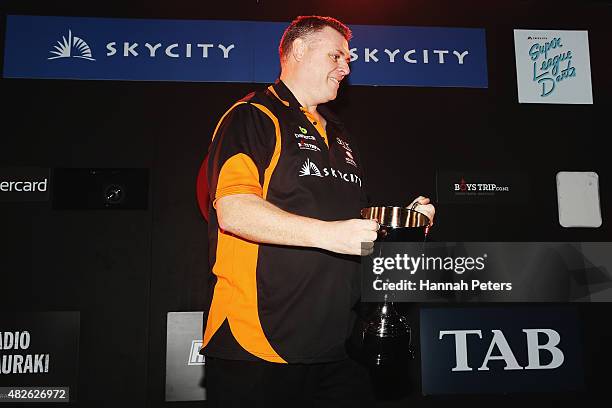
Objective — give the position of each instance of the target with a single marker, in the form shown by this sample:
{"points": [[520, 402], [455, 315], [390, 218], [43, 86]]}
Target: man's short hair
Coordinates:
{"points": [[306, 25]]}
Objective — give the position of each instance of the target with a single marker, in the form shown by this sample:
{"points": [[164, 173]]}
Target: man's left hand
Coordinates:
{"points": [[424, 206]]}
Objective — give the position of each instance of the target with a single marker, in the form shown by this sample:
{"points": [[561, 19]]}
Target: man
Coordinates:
{"points": [[286, 188]]}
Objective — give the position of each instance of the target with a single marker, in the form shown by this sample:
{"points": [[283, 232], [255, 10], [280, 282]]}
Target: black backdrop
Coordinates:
{"points": [[124, 270]]}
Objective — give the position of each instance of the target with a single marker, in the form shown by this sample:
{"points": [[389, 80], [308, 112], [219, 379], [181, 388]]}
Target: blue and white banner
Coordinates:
{"points": [[230, 51]]}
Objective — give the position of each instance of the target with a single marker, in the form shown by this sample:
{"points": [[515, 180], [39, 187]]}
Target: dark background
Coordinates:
{"points": [[124, 270]]}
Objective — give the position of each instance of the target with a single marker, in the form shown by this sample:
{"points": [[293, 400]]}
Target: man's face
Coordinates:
{"points": [[325, 63]]}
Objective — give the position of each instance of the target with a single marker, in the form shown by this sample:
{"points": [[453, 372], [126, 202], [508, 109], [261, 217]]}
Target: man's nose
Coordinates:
{"points": [[344, 68]]}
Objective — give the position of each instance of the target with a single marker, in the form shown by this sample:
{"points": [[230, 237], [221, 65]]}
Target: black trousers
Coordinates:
{"points": [[235, 383]]}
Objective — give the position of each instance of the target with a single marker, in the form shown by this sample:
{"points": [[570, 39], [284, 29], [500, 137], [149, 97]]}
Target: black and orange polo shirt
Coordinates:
{"points": [[277, 303]]}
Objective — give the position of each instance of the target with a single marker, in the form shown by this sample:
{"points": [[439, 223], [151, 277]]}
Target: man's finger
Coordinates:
{"points": [[367, 245]]}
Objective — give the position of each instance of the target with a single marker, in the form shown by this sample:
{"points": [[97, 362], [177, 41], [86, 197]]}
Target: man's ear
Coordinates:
{"points": [[298, 49]]}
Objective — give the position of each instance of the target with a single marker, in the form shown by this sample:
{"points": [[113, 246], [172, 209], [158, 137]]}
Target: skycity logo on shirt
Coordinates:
{"points": [[73, 47], [310, 169]]}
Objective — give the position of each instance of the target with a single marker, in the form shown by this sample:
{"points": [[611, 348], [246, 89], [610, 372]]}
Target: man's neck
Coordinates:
{"points": [[301, 98]]}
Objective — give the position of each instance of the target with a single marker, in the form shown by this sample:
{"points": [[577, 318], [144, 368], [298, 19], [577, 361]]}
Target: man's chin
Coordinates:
{"points": [[330, 96], [333, 95]]}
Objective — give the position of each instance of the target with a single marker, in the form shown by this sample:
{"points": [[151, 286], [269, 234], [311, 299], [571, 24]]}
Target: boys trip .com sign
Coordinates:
{"points": [[231, 51], [553, 66]]}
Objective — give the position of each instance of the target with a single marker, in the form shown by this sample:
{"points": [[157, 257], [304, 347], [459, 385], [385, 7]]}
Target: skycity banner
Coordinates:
{"points": [[553, 66], [47, 47]]}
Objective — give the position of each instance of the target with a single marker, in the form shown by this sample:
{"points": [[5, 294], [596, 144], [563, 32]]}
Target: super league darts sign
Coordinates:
{"points": [[553, 66]]}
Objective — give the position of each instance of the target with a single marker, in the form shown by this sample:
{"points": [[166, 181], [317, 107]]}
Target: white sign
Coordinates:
{"points": [[184, 364], [553, 66]]}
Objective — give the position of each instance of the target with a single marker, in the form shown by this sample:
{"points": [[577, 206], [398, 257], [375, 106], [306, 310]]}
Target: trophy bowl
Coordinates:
{"points": [[396, 217], [398, 223]]}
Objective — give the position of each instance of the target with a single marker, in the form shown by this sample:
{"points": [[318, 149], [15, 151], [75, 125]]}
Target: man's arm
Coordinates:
{"points": [[253, 218]]}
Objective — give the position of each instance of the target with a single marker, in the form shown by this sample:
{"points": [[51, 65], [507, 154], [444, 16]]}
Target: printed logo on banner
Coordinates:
{"points": [[128, 49], [231, 51], [21, 184], [40, 350], [481, 187], [418, 56], [500, 350], [73, 47], [464, 188], [195, 358], [19, 363], [412, 56], [553, 66]]}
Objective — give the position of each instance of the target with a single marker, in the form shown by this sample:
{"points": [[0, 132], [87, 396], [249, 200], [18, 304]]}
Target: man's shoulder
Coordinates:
{"points": [[256, 107], [258, 104], [261, 96]]}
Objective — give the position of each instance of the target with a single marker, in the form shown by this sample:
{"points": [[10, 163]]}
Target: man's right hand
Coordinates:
{"points": [[351, 237]]}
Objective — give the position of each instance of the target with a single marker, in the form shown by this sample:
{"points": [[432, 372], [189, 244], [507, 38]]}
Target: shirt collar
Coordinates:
{"points": [[283, 94], [280, 91]]}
